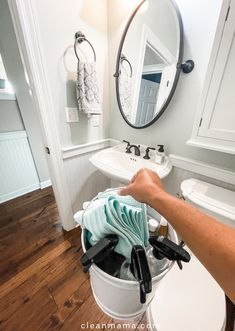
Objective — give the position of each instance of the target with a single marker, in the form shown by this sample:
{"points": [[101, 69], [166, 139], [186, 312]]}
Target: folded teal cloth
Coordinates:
{"points": [[120, 215]]}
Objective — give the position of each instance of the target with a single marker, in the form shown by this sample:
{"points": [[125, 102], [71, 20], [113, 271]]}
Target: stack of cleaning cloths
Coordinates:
{"points": [[111, 213]]}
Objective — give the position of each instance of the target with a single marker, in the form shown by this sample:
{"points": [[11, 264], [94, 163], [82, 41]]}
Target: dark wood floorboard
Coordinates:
{"points": [[42, 285]]}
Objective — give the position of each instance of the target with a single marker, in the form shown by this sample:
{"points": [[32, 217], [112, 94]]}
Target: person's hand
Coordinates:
{"points": [[144, 186]]}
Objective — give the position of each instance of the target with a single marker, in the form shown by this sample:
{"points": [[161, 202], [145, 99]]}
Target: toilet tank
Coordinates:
{"points": [[210, 199]]}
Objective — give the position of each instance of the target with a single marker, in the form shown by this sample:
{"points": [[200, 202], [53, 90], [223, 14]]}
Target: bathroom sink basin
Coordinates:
{"points": [[120, 166]]}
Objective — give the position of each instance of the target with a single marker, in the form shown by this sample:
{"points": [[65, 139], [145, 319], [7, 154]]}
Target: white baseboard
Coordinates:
{"points": [[25, 190], [45, 184], [18, 193], [203, 168]]}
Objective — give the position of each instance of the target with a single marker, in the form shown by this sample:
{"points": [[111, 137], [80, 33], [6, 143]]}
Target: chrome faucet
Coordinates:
{"points": [[129, 147]]}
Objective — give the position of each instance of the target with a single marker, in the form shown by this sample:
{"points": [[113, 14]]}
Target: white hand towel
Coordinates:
{"points": [[87, 88]]}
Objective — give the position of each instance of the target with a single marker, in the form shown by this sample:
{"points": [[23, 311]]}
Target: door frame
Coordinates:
{"points": [[27, 34]]}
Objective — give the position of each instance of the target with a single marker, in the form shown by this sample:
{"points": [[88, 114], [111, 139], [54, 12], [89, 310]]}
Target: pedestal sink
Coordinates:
{"points": [[120, 166]]}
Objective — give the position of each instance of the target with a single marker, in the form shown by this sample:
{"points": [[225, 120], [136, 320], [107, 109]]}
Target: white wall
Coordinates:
{"points": [[58, 21], [174, 128], [16, 74]]}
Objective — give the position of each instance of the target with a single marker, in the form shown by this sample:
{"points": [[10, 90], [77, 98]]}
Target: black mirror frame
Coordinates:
{"points": [[178, 66]]}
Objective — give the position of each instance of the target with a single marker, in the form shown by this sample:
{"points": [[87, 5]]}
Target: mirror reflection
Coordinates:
{"points": [[147, 62]]}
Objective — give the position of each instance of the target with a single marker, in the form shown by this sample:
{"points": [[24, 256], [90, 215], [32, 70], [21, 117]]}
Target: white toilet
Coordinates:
{"points": [[191, 300]]}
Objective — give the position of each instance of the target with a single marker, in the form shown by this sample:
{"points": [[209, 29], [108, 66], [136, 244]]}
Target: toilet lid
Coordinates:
{"points": [[188, 300], [209, 196]]}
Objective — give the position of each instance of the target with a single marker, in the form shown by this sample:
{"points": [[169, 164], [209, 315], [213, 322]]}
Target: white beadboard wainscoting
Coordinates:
{"points": [[84, 180], [18, 174]]}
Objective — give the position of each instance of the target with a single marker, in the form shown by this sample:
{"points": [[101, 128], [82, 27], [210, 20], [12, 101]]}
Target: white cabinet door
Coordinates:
{"points": [[218, 117]]}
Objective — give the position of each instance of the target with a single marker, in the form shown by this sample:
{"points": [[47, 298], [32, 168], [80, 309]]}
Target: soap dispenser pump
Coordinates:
{"points": [[160, 155]]}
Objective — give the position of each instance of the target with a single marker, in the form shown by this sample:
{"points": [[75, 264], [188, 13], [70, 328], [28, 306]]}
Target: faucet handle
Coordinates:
{"points": [[147, 157], [128, 145]]}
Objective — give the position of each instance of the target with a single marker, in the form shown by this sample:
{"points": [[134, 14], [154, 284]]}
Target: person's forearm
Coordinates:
{"points": [[212, 242]]}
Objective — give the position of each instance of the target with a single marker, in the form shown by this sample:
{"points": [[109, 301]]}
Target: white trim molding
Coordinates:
{"points": [[25, 20], [203, 168], [77, 150], [24, 190], [45, 183], [148, 38], [212, 144], [7, 96], [18, 193], [12, 135]]}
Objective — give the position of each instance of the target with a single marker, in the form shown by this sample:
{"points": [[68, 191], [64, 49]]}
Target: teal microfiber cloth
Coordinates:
{"points": [[115, 214]]}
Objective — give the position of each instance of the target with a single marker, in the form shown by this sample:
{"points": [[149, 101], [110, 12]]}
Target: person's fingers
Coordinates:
{"points": [[133, 179], [125, 190], [136, 175]]}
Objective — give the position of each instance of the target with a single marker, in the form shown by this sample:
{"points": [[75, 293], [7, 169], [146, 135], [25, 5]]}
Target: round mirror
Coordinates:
{"points": [[149, 62]]}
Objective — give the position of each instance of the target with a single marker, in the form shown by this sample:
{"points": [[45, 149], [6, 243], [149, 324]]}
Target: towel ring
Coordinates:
{"points": [[79, 38], [123, 58]]}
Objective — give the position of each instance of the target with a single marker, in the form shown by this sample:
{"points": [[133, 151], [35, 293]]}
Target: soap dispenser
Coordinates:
{"points": [[160, 155]]}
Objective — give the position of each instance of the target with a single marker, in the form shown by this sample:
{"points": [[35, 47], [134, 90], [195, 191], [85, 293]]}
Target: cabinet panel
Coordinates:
{"points": [[218, 118]]}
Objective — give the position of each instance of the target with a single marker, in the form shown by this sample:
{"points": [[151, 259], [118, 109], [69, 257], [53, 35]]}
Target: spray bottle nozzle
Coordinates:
{"points": [[163, 247]]}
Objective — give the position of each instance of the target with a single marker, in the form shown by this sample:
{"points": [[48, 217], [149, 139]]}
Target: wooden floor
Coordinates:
{"points": [[42, 285]]}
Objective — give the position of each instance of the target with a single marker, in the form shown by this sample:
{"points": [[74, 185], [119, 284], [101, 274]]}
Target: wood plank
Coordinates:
{"points": [[33, 268], [18, 213], [3, 212], [13, 262], [27, 198], [33, 312], [53, 273], [74, 237], [45, 214], [74, 302], [56, 272], [14, 300], [88, 313], [70, 284], [7, 227]]}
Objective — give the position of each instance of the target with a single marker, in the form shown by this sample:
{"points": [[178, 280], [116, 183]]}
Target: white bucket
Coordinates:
{"points": [[118, 298]]}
